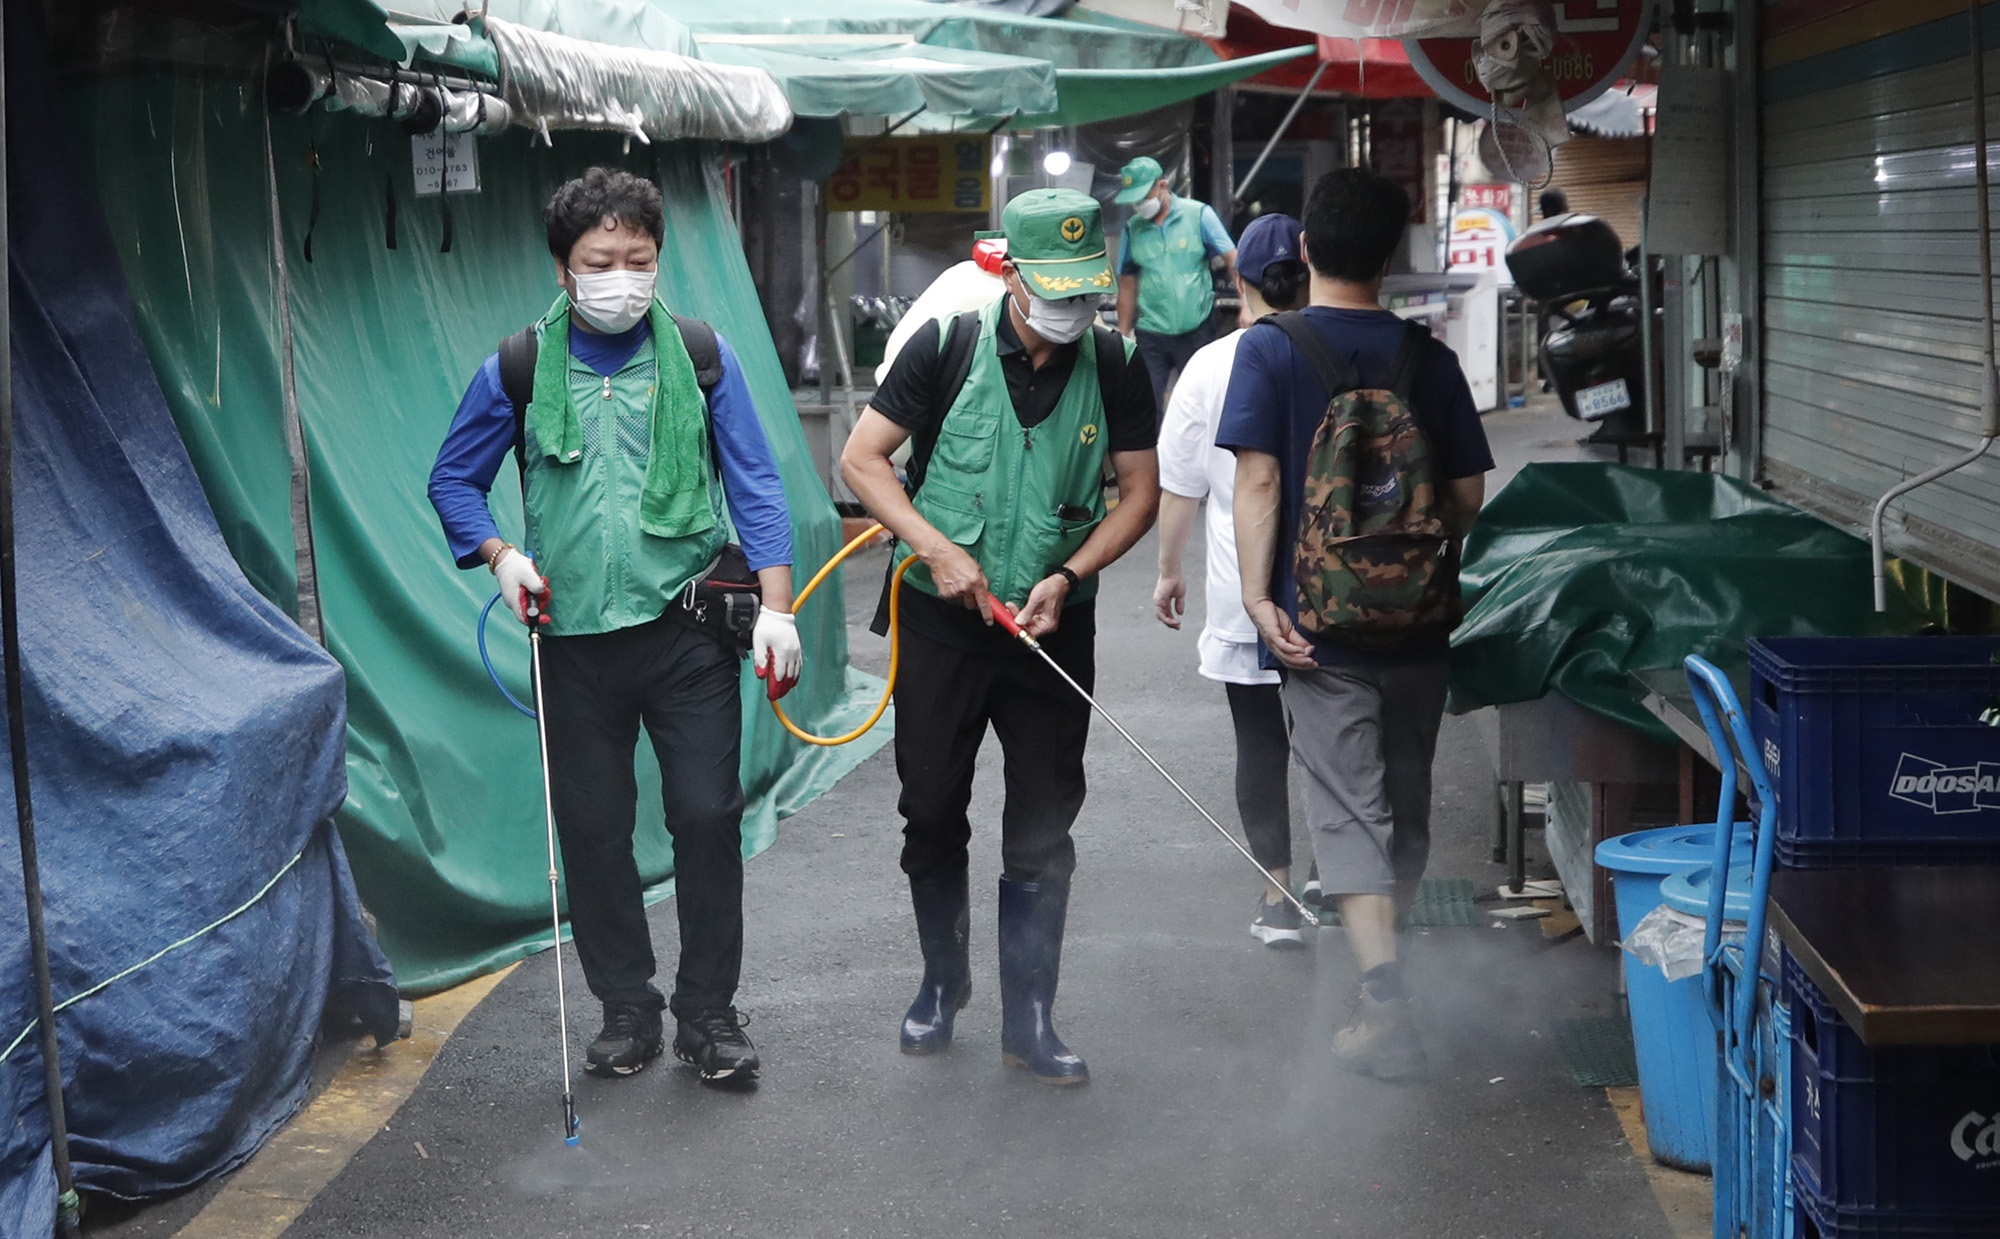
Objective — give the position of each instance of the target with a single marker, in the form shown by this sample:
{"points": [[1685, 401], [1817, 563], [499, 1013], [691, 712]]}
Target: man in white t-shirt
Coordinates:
{"points": [[1270, 277]]}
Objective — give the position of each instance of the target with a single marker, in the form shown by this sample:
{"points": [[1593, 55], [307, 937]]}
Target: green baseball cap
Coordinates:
{"points": [[1135, 179], [1056, 238]]}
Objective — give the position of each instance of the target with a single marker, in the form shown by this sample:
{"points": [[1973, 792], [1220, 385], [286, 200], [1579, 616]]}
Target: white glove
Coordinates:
{"points": [[774, 647], [517, 577]]}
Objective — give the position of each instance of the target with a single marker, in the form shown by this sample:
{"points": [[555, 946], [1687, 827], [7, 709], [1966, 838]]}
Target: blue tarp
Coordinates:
{"points": [[185, 744]]}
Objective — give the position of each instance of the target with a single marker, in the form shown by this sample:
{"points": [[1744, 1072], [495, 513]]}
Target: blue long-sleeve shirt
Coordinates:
{"points": [[482, 433]]}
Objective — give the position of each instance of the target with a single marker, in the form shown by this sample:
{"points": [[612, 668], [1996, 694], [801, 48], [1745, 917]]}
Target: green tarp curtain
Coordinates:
{"points": [[1576, 574], [443, 820]]}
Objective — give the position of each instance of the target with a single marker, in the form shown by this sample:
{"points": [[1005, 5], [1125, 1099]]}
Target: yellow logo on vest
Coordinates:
{"points": [[1072, 229], [1088, 435]]}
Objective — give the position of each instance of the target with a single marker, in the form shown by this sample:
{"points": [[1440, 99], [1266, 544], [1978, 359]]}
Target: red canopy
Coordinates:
{"points": [[1369, 68]]}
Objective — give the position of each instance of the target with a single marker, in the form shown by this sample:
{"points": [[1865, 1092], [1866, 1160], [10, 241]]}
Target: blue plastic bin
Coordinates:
{"points": [[1897, 1130], [1814, 1218], [1672, 1037], [1875, 748]]}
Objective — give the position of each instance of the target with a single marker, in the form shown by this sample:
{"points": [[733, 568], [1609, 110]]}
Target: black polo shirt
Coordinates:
{"points": [[1131, 422]]}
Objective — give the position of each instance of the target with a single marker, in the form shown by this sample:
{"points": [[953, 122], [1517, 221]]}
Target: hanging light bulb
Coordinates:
{"points": [[1055, 163]]}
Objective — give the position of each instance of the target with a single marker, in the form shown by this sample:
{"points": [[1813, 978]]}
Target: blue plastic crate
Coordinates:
{"points": [[1814, 1218], [1794, 853], [1900, 1129], [1878, 739]]}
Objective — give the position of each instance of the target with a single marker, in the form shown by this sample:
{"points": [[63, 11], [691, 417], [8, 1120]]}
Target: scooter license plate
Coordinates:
{"points": [[1603, 399]]}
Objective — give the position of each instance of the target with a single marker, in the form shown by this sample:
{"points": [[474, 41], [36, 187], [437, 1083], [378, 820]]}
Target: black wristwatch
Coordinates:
{"points": [[1066, 573]]}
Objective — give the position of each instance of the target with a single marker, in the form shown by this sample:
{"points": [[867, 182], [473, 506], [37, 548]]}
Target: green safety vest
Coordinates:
{"points": [[605, 572], [994, 486], [1176, 292]]}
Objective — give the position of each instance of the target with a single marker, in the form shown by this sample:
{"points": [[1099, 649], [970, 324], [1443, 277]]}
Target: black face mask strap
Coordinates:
{"points": [[389, 210], [312, 159], [312, 212], [444, 179]]}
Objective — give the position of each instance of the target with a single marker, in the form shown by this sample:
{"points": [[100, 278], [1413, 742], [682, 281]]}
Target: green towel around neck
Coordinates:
{"points": [[674, 502]]}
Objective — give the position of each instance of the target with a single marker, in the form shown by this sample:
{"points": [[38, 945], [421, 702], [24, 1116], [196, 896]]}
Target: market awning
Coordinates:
{"points": [[1087, 95], [829, 76], [1082, 41], [876, 57], [1366, 68]]}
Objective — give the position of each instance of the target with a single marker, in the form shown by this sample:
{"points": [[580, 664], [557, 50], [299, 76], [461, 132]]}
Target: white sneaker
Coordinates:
{"points": [[1278, 924]]}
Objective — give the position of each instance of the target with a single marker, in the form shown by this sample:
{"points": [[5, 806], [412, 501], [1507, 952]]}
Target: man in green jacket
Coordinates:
{"points": [[1014, 408], [1165, 290]]}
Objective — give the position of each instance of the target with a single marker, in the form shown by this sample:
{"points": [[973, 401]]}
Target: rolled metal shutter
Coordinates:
{"points": [[1604, 177], [1871, 291]]}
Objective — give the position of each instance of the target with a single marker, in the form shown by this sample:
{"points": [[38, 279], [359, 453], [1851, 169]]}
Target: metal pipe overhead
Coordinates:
{"points": [[1250, 178]]}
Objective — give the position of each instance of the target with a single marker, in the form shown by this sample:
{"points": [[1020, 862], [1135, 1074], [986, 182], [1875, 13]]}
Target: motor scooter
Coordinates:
{"points": [[1591, 350]]}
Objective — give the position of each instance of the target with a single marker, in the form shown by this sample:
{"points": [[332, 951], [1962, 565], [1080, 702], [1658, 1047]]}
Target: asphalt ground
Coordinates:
{"points": [[1215, 1107]]}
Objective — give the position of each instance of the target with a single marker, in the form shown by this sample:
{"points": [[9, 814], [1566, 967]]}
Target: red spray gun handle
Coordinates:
{"points": [[1008, 624]]}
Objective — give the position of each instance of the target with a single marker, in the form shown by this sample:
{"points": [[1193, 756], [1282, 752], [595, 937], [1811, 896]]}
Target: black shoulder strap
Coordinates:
{"points": [[954, 366], [519, 352], [1306, 338], [517, 379], [1110, 368], [703, 349], [1403, 372]]}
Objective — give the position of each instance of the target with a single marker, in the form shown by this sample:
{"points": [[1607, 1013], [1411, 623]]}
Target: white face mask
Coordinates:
{"points": [[1060, 322], [1148, 208], [612, 301]]}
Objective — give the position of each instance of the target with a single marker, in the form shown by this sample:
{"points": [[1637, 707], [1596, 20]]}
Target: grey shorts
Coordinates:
{"points": [[1364, 737]]}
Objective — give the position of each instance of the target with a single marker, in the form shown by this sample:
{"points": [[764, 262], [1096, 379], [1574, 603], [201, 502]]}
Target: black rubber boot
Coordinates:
{"points": [[943, 926], [1031, 933]]}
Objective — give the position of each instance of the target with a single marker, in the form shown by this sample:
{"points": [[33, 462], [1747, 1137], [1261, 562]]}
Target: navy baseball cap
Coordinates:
{"points": [[1268, 239]]}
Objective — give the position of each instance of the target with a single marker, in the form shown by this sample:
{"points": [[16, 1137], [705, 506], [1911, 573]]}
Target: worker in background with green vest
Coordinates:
{"points": [[1014, 410], [1165, 290], [639, 448]]}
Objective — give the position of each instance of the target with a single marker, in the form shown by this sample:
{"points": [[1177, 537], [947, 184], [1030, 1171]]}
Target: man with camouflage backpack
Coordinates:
{"points": [[1359, 463]]}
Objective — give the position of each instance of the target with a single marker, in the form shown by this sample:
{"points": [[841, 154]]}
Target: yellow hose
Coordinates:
{"points": [[895, 639]]}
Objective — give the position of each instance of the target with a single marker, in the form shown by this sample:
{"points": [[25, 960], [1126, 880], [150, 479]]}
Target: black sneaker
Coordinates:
{"points": [[714, 1042], [1312, 894], [631, 1038], [1278, 924]]}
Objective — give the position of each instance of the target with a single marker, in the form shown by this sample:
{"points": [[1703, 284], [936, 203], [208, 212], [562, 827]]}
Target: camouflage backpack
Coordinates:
{"points": [[1374, 564]]}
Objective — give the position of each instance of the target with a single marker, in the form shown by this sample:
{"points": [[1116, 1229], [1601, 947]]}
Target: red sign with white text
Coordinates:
{"points": [[1492, 197]]}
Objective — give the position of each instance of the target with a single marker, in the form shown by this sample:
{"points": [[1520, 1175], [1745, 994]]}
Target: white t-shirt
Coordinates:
{"points": [[1192, 466]]}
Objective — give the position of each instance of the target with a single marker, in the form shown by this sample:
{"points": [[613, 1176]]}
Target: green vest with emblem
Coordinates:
{"points": [[604, 571], [1176, 292], [1019, 499]]}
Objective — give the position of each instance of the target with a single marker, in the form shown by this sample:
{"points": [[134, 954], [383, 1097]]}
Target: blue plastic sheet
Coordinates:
{"points": [[185, 743]]}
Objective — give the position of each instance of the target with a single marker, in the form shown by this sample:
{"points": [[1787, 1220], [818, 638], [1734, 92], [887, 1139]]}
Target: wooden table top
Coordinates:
{"points": [[1907, 956]]}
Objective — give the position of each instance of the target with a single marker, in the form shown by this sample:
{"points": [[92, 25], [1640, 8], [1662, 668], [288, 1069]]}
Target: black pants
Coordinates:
{"points": [[682, 686], [1263, 763], [1165, 355], [945, 697]]}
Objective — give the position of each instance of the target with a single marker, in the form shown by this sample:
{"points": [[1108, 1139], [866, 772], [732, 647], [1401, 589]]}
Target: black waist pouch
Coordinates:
{"points": [[723, 601]]}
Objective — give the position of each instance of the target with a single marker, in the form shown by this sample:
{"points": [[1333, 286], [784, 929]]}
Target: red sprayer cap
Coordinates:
{"points": [[989, 252]]}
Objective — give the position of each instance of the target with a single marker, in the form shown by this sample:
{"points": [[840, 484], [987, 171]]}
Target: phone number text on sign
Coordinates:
{"points": [[931, 174]]}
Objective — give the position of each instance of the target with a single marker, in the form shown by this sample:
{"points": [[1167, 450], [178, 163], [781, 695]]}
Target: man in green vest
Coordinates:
{"points": [[1014, 409], [639, 447], [1165, 290]]}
